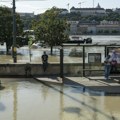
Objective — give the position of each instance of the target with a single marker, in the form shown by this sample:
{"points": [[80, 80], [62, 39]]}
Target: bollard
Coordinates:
{"points": [[27, 70], [1, 87]]}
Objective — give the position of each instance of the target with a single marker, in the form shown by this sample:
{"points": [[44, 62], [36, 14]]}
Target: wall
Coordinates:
{"points": [[70, 69]]}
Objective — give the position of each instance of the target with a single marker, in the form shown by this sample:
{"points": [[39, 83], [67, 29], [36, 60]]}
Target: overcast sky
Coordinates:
{"points": [[39, 6]]}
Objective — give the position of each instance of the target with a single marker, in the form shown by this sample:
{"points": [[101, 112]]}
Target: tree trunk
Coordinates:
{"points": [[7, 48], [51, 50]]}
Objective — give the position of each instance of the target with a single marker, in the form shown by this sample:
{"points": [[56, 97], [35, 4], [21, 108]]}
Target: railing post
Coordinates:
{"points": [[83, 61], [61, 62]]}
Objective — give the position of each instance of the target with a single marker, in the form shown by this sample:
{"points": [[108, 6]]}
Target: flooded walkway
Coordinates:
{"points": [[111, 86], [28, 99]]}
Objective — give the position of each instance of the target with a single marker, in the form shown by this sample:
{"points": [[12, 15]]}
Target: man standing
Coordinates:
{"points": [[45, 61], [114, 62], [107, 63]]}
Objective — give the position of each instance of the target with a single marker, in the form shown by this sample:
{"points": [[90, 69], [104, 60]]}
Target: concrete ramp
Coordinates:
{"points": [[50, 79]]}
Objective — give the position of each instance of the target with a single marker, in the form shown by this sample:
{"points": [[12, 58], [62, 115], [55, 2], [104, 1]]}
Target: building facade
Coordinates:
{"points": [[104, 27], [97, 11]]}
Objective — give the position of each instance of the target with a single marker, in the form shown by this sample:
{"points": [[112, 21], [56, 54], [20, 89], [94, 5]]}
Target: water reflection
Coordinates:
{"points": [[2, 107], [27, 99]]}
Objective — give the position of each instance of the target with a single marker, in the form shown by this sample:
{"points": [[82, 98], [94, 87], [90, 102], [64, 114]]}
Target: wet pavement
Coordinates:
{"points": [[111, 86], [28, 99]]}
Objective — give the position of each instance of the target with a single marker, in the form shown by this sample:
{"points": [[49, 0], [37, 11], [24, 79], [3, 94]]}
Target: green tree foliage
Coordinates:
{"points": [[50, 29], [27, 20], [71, 16], [113, 16], [6, 26]]}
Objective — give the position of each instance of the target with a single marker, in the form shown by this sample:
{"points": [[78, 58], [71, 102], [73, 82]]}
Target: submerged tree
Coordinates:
{"points": [[50, 29], [6, 27]]}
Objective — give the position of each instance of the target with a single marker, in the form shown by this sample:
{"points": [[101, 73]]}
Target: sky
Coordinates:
{"points": [[40, 6]]}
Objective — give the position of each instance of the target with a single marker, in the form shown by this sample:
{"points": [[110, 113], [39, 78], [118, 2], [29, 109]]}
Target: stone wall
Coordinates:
{"points": [[70, 69]]}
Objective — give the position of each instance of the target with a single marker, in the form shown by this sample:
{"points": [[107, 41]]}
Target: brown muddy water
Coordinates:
{"points": [[33, 55], [28, 99], [36, 51]]}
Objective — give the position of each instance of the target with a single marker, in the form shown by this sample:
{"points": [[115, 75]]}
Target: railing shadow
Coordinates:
{"points": [[73, 98]]}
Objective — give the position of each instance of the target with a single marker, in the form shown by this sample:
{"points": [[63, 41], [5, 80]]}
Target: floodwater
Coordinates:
{"points": [[23, 53], [28, 99]]}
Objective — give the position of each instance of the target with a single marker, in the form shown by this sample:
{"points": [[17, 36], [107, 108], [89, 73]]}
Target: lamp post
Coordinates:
{"points": [[14, 35]]}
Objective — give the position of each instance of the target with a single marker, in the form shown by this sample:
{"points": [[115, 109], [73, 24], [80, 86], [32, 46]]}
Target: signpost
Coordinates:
{"points": [[94, 57]]}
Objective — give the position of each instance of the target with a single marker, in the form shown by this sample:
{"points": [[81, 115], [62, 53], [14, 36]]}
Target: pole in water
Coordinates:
{"points": [[1, 87]]}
